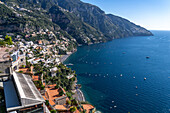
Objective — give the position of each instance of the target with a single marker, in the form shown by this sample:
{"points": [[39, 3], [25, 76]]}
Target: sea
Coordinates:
{"points": [[127, 75]]}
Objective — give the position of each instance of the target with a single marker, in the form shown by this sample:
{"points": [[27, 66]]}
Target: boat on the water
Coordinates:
{"points": [[70, 64], [147, 57]]}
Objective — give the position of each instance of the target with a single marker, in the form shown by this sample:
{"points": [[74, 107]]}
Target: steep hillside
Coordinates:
{"points": [[72, 18], [111, 26]]}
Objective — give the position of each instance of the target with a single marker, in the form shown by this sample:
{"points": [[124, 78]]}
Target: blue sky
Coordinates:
{"points": [[151, 14]]}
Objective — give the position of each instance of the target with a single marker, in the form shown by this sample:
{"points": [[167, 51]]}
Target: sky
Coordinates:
{"points": [[151, 14]]}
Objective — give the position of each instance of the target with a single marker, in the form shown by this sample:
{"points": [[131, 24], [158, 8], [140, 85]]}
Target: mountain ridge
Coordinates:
{"points": [[82, 21]]}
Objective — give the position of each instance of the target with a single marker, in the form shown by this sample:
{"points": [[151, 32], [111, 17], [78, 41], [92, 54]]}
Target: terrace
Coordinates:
{"points": [[21, 93], [5, 61]]}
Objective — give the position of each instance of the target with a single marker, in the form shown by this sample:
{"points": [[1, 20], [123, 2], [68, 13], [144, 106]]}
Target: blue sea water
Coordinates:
{"points": [[99, 68]]}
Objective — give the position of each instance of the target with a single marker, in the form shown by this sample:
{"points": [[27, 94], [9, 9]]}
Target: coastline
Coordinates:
{"points": [[64, 57], [80, 95]]}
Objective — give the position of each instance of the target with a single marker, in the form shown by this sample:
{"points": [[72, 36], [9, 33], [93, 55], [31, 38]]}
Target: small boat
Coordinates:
{"points": [[134, 77], [144, 78], [70, 64], [147, 57], [112, 101], [136, 87], [115, 106], [121, 75]]}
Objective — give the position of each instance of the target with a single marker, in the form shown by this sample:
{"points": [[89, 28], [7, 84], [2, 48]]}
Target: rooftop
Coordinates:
{"points": [[88, 107], [22, 88], [52, 93], [60, 107]]}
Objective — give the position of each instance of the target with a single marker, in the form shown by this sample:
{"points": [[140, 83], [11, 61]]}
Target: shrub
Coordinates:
{"points": [[57, 86], [20, 71], [7, 50], [61, 93], [73, 109], [74, 102], [68, 102], [46, 102], [53, 111], [42, 87], [2, 43], [8, 40], [69, 95], [86, 102]]}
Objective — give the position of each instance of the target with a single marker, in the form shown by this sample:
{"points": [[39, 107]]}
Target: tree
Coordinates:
{"points": [[46, 102], [57, 86], [61, 93], [53, 111], [42, 87], [74, 102], [73, 109], [8, 40], [69, 95], [2, 43], [68, 102]]}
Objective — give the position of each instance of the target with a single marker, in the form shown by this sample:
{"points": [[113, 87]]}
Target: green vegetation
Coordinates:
{"points": [[20, 71], [86, 102], [42, 87], [47, 103], [57, 86], [7, 40], [73, 109], [74, 102], [66, 18], [61, 93], [23, 66], [53, 111], [6, 50], [2, 43], [68, 102]]}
